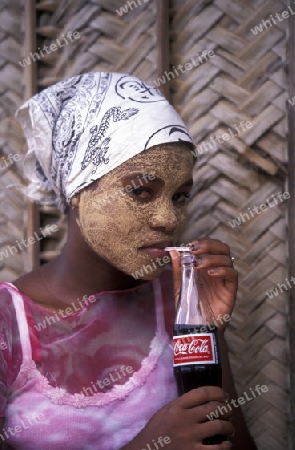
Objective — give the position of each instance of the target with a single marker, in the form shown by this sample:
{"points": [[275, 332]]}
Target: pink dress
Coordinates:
{"points": [[86, 380]]}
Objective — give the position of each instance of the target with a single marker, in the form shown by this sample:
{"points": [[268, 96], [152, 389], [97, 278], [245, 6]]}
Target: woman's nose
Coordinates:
{"points": [[164, 216]]}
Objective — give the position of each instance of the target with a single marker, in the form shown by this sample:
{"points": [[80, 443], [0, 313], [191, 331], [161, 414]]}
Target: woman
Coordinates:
{"points": [[88, 362]]}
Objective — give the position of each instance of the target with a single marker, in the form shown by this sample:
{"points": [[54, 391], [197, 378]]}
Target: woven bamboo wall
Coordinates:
{"points": [[13, 209], [244, 81]]}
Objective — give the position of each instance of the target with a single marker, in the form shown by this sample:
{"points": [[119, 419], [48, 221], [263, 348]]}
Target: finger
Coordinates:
{"points": [[202, 395], [212, 261], [211, 246], [230, 275], [202, 413], [216, 427]]}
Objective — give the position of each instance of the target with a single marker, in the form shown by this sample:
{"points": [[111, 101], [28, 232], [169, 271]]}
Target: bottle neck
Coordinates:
{"points": [[193, 307], [188, 279]]}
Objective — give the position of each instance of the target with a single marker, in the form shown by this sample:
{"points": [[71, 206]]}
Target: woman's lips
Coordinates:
{"points": [[155, 252]]}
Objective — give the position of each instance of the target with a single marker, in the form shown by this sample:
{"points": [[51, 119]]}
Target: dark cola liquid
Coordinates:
{"points": [[192, 376]]}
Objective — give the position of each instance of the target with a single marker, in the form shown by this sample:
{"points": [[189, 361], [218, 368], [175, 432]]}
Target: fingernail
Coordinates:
{"points": [[198, 261], [191, 246], [213, 270]]}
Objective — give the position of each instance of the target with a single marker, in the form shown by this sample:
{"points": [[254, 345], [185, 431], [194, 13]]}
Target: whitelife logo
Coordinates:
{"points": [[8, 161], [66, 312], [184, 67], [275, 291], [62, 42], [24, 424], [129, 6], [24, 243], [265, 24], [161, 441], [241, 401], [256, 210], [221, 138], [112, 377]]}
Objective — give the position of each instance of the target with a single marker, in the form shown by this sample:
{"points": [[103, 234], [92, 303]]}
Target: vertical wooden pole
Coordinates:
{"points": [[291, 223], [30, 90], [163, 48]]}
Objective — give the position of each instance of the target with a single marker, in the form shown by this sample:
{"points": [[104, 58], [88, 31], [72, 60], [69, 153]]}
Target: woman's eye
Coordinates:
{"points": [[142, 193], [181, 197]]}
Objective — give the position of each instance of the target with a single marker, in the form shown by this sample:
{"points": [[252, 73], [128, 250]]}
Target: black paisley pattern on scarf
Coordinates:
{"points": [[177, 132], [97, 149], [62, 104], [138, 91]]}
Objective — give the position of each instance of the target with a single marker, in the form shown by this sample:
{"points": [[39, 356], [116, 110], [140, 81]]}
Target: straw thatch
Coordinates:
{"points": [[245, 80]]}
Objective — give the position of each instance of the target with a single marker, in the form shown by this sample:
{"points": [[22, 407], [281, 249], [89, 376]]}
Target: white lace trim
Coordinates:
{"points": [[60, 396]]}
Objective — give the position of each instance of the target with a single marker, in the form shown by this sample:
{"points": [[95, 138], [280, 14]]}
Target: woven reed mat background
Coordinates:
{"points": [[244, 81], [13, 208]]}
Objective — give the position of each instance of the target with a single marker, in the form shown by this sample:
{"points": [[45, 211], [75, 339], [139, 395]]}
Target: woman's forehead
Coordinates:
{"points": [[167, 162], [160, 158]]}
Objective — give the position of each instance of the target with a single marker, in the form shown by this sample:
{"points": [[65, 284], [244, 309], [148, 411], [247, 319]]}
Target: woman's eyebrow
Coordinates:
{"points": [[145, 175], [151, 177]]}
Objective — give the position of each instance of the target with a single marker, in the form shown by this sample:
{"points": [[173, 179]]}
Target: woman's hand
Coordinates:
{"points": [[184, 421], [219, 280]]}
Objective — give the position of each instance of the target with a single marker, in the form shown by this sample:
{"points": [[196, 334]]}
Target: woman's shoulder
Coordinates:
{"points": [[29, 285]]}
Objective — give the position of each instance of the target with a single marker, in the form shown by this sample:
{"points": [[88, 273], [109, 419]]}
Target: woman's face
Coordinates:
{"points": [[130, 214]]}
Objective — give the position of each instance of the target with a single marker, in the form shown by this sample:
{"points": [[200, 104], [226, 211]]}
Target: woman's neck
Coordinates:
{"points": [[71, 276]]}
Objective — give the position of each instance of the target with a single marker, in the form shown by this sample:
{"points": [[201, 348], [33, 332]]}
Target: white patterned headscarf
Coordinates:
{"points": [[82, 128]]}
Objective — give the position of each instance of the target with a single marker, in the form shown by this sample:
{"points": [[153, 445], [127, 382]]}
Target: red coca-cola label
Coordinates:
{"points": [[194, 349]]}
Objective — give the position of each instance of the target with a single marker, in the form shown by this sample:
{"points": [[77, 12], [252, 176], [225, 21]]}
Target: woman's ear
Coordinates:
{"points": [[74, 202]]}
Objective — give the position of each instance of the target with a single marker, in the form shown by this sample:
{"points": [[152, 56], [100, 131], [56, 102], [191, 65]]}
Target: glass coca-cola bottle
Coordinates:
{"points": [[195, 339]]}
